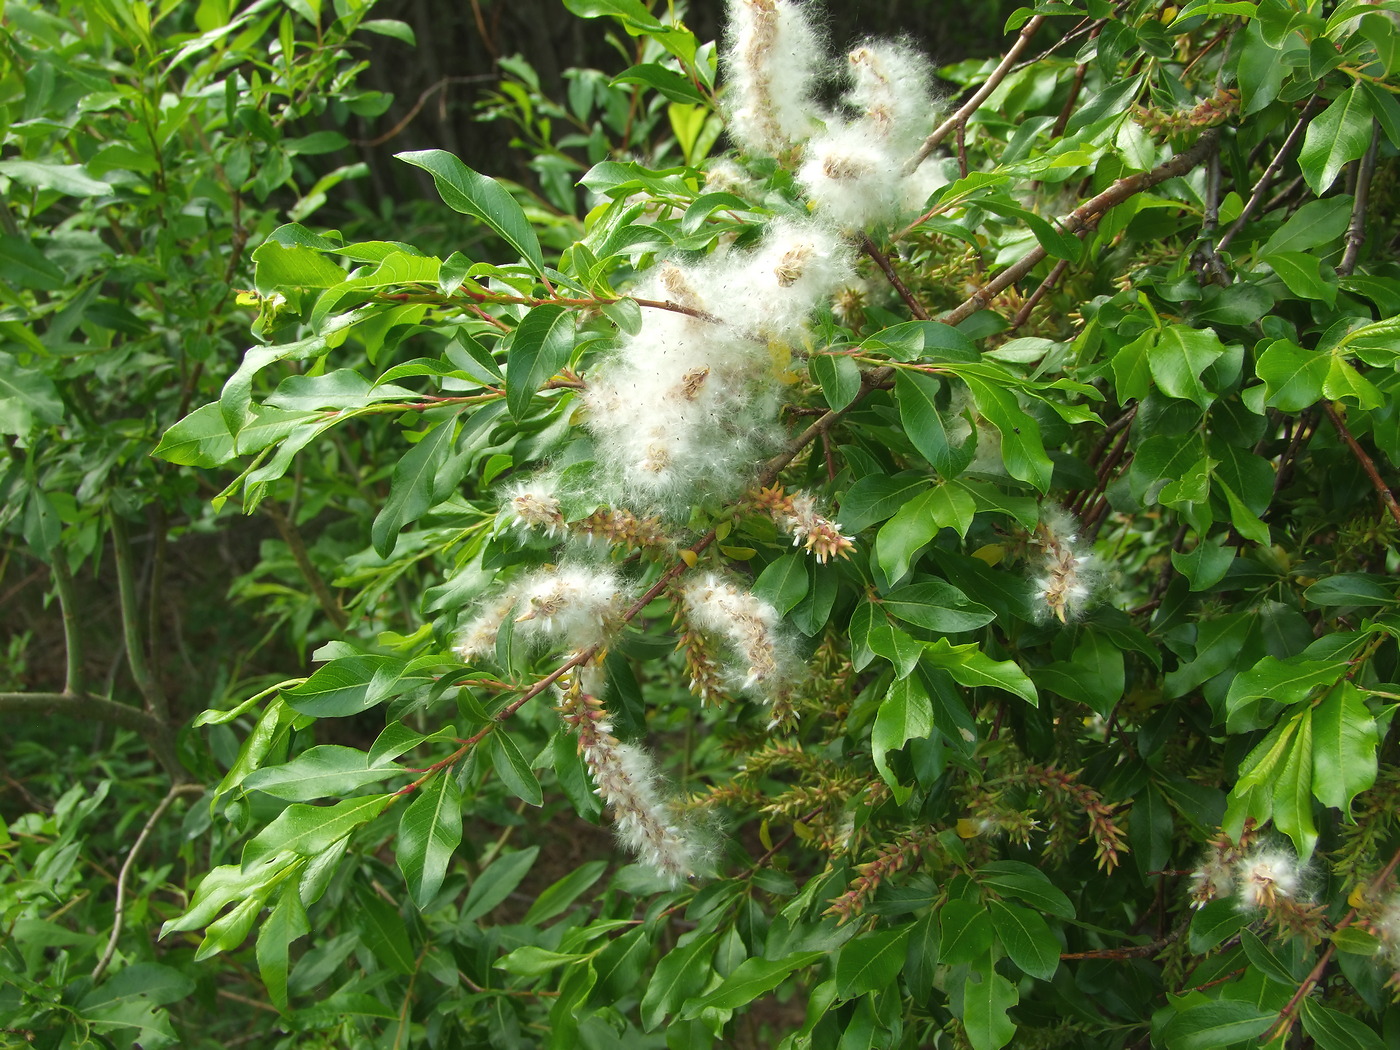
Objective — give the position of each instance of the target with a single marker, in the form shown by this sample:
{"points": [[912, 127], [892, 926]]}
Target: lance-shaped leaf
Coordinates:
{"points": [[429, 833]]}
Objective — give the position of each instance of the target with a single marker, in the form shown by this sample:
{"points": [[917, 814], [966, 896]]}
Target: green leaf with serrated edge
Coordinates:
{"points": [[967, 931], [415, 486], [905, 713], [1283, 681], [539, 348], [497, 882], [309, 830], [1345, 738], [1350, 589], [1177, 358], [917, 394], [201, 439], [319, 772], [750, 979], [839, 377], [875, 498], [1337, 136], [1220, 1023], [1293, 376], [783, 583], [870, 962], [969, 666], [987, 997], [1027, 938], [511, 767], [936, 605], [1333, 1030], [557, 897], [339, 688], [1026, 883], [464, 190], [430, 831], [1214, 923]]}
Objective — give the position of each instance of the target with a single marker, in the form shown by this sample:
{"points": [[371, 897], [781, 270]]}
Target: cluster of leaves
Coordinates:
{"points": [[145, 148], [1109, 423]]}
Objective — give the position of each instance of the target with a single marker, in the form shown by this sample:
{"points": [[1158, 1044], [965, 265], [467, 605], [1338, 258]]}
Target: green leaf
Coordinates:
{"points": [[987, 996], [1293, 791], [382, 931], [419, 482], [1283, 681], [1344, 381], [667, 82], [430, 831], [1130, 367], [470, 193], [285, 268], [309, 830], [838, 376], [875, 498], [917, 395], [1216, 1024], [906, 713], [71, 180], [1178, 357], [967, 931], [319, 772], [24, 266], [1314, 224], [919, 521], [969, 666], [497, 883], [1333, 1030], [512, 768], [750, 979], [1022, 449], [1217, 921], [936, 605], [1150, 830], [873, 635], [870, 962], [1349, 589], [681, 973], [1027, 938], [557, 898], [1345, 738], [1205, 564], [783, 583], [284, 924], [1261, 70], [339, 688], [540, 347], [1337, 136], [1293, 376], [1302, 273], [1027, 883], [27, 397]]}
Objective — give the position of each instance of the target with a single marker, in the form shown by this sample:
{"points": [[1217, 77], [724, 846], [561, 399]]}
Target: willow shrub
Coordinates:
{"points": [[946, 538]]}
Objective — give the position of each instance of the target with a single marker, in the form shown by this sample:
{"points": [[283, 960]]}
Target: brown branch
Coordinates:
{"points": [[970, 107], [417, 107], [1275, 165], [883, 261], [1024, 314], [1356, 229], [1367, 463], [1079, 221], [176, 790], [89, 707], [292, 538]]}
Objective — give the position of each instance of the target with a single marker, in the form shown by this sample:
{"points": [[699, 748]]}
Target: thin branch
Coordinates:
{"points": [[292, 538], [146, 682], [176, 790], [1024, 314], [73, 683], [883, 261], [1367, 464], [1275, 165], [1083, 218], [417, 107], [1356, 229], [970, 106]]}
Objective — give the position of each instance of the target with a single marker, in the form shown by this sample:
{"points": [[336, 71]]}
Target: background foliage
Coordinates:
{"points": [[1095, 748]]}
